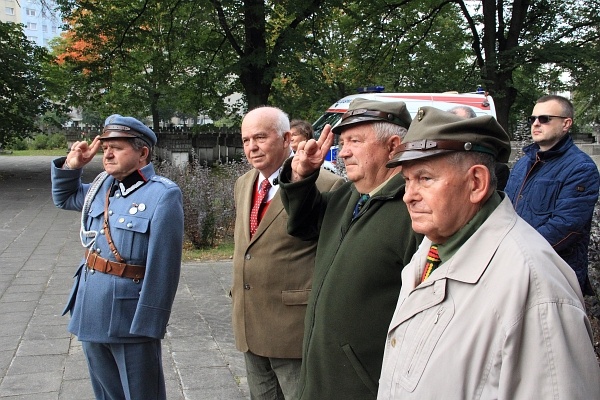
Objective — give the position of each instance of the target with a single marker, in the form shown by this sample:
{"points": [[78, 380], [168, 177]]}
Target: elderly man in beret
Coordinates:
{"points": [[364, 240], [132, 232], [487, 309]]}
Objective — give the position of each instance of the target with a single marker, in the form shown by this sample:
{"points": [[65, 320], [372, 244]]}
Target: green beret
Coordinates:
{"points": [[434, 132], [363, 110]]}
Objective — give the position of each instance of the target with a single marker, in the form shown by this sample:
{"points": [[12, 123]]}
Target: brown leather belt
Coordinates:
{"points": [[97, 263]]}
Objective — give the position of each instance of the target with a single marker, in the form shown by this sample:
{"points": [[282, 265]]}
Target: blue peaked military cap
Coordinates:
{"points": [[117, 126]]}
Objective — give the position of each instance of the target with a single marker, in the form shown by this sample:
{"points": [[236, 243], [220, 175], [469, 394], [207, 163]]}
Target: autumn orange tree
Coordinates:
{"points": [[140, 58]]}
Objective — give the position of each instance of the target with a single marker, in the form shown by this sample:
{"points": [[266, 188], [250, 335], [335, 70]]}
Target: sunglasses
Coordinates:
{"points": [[544, 119]]}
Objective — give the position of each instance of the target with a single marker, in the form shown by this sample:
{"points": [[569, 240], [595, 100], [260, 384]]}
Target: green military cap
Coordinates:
{"points": [[434, 132], [363, 110]]}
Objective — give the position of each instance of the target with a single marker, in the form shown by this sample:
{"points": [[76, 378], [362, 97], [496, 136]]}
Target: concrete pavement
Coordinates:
{"points": [[39, 252]]}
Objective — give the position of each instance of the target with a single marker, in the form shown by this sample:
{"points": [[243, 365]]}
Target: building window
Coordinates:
{"points": [[45, 28], [53, 29], [32, 26], [30, 11], [9, 10]]}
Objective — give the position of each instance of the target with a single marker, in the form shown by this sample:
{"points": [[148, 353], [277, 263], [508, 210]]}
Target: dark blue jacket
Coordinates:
{"points": [[555, 191]]}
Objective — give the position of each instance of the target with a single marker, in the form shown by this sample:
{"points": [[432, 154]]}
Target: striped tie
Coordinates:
{"points": [[433, 261]]}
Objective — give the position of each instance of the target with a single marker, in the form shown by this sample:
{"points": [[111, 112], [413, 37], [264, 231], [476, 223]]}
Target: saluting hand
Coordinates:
{"points": [[82, 153], [311, 154]]}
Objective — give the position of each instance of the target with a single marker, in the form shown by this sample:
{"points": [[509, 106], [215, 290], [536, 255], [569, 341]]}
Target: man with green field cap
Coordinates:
{"points": [[487, 308], [364, 241]]}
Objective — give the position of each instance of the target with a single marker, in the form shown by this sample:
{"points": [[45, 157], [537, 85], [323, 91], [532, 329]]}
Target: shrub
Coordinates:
{"points": [[208, 204], [18, 144], [57, 141], [40, 142]]}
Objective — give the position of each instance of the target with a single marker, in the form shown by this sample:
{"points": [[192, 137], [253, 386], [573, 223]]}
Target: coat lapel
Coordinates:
{"points": [[247, 191]]}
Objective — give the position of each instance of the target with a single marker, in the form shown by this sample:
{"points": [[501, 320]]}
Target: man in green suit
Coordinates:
{"points": [[362, 248]]}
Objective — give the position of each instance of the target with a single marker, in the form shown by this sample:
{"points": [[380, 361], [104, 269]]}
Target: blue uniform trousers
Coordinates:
{"points": [[131, 371]]}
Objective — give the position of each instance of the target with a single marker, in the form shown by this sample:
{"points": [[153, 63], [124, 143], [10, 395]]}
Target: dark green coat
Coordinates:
{"points": [[356, 282]]}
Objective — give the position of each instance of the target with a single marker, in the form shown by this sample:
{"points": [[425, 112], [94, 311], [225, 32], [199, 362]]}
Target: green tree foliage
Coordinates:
{"points": [[139, 57], [367, 43], [263, 36], [23, 94], [512, 38]]}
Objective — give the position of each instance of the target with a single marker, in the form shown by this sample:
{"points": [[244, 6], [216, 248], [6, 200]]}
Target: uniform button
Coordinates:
{"points": [[520, 196], [121, 220], [102, 231], [110, 212], [129, 225], [98, 251], [248, 256], [118, 194], [246, 286], [393, 342]]}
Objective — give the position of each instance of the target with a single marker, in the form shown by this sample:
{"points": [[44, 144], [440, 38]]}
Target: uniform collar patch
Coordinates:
{"points": [[132, 182]]}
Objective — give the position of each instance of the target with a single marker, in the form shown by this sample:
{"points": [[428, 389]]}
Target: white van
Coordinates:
{"points": [[481, 103]]}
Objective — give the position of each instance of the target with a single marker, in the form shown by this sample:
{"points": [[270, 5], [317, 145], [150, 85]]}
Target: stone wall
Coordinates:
{"points": [[181, 147]]}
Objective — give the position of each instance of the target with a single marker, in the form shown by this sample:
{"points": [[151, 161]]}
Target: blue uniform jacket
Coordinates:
{"points": [[555, 191], [107, 308]]}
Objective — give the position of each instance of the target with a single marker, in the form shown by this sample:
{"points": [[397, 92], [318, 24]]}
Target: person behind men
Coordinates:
{"points": [[132, 229], [501, 170], [364, 240], [300, 131], [272, 271], [487, 309], [554, 186]]}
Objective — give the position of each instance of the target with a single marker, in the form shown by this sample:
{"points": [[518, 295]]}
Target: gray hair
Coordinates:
{"points": [[385, 130], [281, 121], [463, 111], [468, 159], [138, 144]]}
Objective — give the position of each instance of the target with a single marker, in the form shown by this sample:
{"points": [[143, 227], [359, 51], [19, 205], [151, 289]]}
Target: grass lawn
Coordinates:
{"points": [[223, 251], [53, 152]]}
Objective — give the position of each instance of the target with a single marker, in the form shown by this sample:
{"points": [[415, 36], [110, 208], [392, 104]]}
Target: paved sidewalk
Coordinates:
{"points": [[39, 252]]}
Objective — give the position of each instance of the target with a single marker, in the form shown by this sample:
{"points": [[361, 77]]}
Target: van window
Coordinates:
{"points": [[327, 118]]}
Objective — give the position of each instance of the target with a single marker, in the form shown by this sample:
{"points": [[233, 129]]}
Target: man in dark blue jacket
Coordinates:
{"points": [[554, 187]]}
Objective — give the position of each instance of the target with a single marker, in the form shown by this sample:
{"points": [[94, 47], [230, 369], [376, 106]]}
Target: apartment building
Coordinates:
{"points": [[40, 19]]}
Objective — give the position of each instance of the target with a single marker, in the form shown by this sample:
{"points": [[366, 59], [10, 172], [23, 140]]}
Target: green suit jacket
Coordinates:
{"points": [[356, 282]]}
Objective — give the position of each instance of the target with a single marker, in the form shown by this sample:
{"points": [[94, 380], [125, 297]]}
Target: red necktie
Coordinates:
{"points": [[259, 201]]}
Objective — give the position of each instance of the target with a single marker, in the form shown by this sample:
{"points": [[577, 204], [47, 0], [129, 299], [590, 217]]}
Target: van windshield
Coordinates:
{"points": [[327, 118]]}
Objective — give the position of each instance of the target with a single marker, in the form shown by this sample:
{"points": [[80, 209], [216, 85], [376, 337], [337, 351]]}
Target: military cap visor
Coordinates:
{"points": [[435, 132], [362, 111], [119, 131]]}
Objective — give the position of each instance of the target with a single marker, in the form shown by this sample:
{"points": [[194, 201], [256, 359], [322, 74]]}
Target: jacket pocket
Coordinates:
{"points": [[126, 295], [297, 297], [546, 191], [359, 369], [131, 236], [421, 335]]}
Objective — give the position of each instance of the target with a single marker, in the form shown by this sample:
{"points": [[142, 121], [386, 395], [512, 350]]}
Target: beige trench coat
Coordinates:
{"points": [[502, 319]]}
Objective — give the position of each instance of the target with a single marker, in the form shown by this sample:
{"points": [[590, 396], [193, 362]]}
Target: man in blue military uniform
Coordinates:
{"points": [[132, 231]]}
